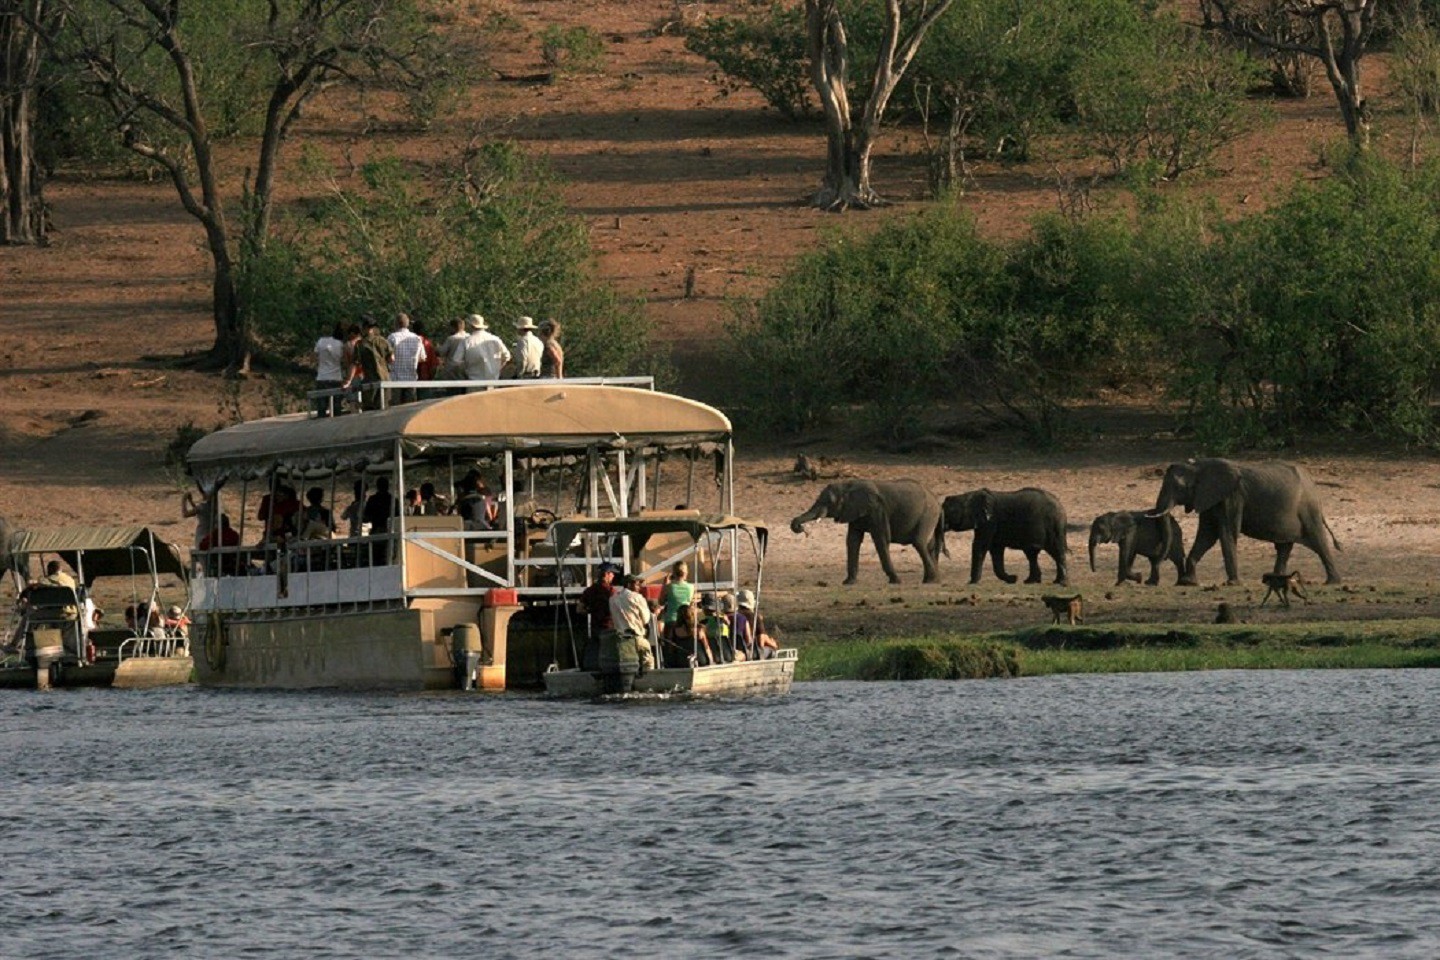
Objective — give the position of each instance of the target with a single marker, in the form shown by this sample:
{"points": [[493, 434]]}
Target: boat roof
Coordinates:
{"points": [[642, 527], [543, 419], [108, 551]]}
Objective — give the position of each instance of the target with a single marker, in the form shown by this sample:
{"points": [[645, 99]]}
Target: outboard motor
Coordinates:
{"points": [[619, 662], [466, 650]]}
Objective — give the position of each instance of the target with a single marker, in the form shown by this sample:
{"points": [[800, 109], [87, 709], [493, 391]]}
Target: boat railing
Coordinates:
{"points": [[148, 647], [380, 395]]}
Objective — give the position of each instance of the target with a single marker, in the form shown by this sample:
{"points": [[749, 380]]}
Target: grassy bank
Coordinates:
{"points": [[1127, 649]]}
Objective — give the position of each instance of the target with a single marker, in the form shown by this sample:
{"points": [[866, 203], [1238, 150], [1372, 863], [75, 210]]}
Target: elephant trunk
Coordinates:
{"points": [[1094, 539], [798, 524]]}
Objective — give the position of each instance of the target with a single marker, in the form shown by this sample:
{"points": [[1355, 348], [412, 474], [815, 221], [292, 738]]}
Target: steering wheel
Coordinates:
{"points": [[541, 518]]}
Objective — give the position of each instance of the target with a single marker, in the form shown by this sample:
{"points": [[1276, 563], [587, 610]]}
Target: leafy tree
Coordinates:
{"points": [[179, 75], [849, 139], [1337, 33]]}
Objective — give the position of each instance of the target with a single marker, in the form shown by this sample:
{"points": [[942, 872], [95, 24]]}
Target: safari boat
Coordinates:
{"points": [[714, 544], [422, 553], [59, 637]]}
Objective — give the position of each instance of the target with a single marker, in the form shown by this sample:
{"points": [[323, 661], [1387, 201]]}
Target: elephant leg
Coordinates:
{"points": [[1205, 538], [977, 560], [882, 550], [1062, 572], [997, 560], [1127, 563], [927, 560], [852, 552], [1318, 541], [1282, 557], [1033, 558], [1154, 572]]}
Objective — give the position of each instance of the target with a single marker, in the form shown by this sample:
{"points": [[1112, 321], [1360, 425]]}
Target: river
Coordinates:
{"points": [[1225, 814]]}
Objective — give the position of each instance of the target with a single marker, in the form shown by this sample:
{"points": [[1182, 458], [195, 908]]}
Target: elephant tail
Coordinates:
{"points": [[1333, 539]]}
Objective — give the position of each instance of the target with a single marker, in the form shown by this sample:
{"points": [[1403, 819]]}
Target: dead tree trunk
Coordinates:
{"points": [[850, 143], [23, 219]]}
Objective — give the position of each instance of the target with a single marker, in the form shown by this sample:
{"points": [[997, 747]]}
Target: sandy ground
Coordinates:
{"points": [[670, 175]]}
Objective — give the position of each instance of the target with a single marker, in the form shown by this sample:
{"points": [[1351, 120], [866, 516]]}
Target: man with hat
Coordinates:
{"points": [[630, 613], [485, 353], [528, 350]]}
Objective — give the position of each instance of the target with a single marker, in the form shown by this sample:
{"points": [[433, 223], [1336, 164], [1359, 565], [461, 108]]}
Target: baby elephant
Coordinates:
{"points": [[1029, 520], [1137, 533], [1282, 585], [1071, 608]]}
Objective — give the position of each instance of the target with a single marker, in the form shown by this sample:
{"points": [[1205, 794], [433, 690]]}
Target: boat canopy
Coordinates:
{"points": [[549, 418], [642, 527], [109, 551]]}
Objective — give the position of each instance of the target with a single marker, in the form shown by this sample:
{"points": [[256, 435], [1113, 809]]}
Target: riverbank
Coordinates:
{"points": [[1152, 648]]}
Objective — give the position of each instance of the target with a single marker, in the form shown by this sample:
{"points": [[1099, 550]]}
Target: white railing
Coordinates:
{"points": [[146, 647], [375, 396]]}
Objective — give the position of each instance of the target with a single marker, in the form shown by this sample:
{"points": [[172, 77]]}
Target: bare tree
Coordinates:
{"points": [[23, 217], [303, 46], [1335, 32], [849, 142]]}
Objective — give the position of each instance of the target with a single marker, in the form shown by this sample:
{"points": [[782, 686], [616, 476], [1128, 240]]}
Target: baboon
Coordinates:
{"points": [[1225, 614], [1068, 607], [1282, 585]]}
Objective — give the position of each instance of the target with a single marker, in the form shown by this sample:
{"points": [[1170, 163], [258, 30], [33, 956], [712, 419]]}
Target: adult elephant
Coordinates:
{"points": [[1137, 533], [7, 537], [1272, 500], [890, 511], [1030, 520]]}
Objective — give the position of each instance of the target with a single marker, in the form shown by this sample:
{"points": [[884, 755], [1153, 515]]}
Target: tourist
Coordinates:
{"points": [[528, 350], [316, 521], [329, 370], [409, 351], [452, 352], [432, 504], [430, 365], [742, 626], [485, 353], [552, 359], [595, 603], [677, 610], [374, 355], [715, 627], [228, 564], [57, 576], [379, 508], [203, 510]]}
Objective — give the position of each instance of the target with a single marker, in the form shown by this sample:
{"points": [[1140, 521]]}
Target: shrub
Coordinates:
{"points": [[489, 235], [765, 51], [942, 660], [572, 49]]}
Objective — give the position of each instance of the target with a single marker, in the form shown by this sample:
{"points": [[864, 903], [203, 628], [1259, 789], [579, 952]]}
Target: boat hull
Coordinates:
{"points": [[752, 678], [136, 673]]}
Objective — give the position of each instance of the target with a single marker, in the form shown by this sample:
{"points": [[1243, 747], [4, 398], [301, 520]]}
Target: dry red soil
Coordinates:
{"points": [[670, 175]]}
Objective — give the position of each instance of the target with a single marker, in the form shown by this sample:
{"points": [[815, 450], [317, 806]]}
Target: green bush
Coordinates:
{"points": [[765, 50], [572, 49], [1324, 312], [490, 236], [1156, 98], [941, 660]]}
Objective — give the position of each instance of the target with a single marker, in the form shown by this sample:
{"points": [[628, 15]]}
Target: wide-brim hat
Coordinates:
{"points": [[525, 323], [746, 600], [475, 322]]}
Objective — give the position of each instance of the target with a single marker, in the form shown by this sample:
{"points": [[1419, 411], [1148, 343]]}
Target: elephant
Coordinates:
{"points": [[1271, 500], [891, 511], [1157, 539], [1029, 520]]}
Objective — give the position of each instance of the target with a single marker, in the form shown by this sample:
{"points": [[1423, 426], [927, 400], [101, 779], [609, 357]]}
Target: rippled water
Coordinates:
{"points": [[1219, 815]]}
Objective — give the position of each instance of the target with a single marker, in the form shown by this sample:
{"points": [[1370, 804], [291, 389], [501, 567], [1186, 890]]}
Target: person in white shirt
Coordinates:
{"points": [[409, 351], [528, 350], [485, 353], [329, 370]]}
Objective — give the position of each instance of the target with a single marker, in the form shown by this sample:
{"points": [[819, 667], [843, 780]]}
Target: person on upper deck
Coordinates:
{"points": [[485, 353], [374, 354], [329, 369], [528, 350], [552, 359], [409, 352]]}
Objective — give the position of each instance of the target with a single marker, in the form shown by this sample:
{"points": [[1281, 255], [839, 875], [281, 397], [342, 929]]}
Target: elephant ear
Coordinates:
{"points": [[984, 507], [865, 503], [1215, 482]]}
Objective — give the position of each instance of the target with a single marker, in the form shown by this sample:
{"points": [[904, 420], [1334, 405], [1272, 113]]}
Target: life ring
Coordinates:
{"points": [[215, 642]]}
